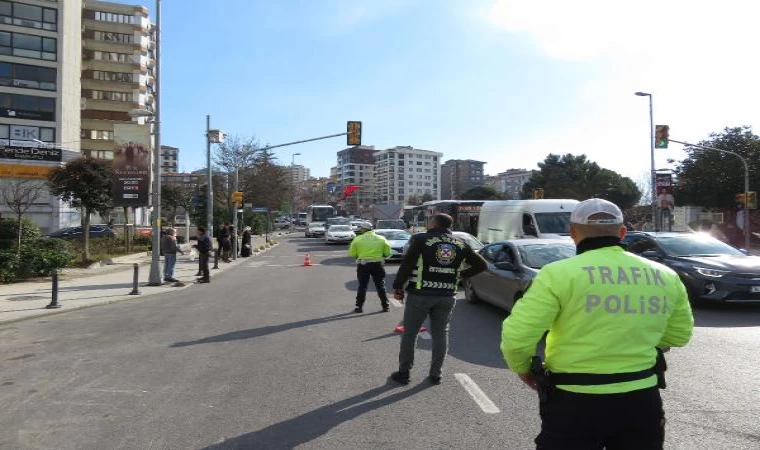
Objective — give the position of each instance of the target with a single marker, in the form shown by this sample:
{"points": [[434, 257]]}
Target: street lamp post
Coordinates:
{"points": [[653, 181], [154, 278], [293, 183]]}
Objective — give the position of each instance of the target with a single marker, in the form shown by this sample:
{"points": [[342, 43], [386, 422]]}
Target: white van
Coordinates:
{"points": [[520, 219]]}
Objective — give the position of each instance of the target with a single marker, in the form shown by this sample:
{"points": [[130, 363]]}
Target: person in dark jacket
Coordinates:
{"points": [[223, 242], [245, 250], [170, 249], [432, 267], [204, 247]]}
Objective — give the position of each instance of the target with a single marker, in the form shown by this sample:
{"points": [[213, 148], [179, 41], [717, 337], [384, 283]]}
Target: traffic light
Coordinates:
{"points": [[751, 204], [237, 197], [354, 136], [661, 136], [538, 194]]}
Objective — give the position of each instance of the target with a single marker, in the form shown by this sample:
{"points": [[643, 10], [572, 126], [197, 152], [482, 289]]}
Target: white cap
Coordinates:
{"points": [[594, 206]]}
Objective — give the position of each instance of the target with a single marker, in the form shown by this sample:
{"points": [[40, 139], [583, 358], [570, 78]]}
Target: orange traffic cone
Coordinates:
{"points": [[307, 261], [400, 329]]}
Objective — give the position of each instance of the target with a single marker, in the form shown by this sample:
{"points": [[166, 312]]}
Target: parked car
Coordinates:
{"points": [[77, 233], [315, 229], [512, 266], [398, 239], [339, 234], [712, 271], [281, 223]]}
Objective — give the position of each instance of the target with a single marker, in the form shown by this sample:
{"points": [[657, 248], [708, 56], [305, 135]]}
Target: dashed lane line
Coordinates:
{"points": [[477, 394]]}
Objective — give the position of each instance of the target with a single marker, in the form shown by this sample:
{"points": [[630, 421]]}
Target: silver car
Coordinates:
{"points": [[512, 266], [397, 239]]}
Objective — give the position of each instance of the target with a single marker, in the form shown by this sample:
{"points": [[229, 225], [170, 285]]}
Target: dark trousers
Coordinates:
{"points": [[629, 421], [203, 263], [417, 308], [363, 273]]}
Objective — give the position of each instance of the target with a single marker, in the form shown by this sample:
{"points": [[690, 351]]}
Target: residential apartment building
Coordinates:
{"points": [[40, 66], [169, 159], [405, 172], [356, 166], [460, 175], [117, 71], [511, 182], [297, 173]]}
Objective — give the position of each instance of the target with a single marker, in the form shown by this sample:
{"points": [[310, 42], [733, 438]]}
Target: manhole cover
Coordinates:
{"points": [[24, 298]]}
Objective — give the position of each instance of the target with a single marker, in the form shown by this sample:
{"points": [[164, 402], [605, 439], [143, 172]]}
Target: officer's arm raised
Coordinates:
{"points": [[529, 319]]}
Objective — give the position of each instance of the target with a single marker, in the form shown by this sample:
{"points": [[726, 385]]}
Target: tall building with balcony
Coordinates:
{"points": [[356, 166], [40, 67], [405, 172], [297, 173], [460, 175], [169, 159], [511, 182], [117, 71]]}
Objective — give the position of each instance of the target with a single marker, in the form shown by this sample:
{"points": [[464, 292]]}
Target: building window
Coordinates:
{"points": [[112, 96], [29, 16], [113, 37], [27, 133], [121, 77], [23, 76], [113, 17], [28, 46], [112, 56], [27, 107], [104, 135]]}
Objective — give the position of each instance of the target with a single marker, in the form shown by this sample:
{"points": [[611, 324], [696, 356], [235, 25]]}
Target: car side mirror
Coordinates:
{"points": [[506, 265], [651, 254]]}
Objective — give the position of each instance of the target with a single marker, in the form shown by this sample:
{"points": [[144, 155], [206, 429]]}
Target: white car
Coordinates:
{"points": [[315, 229], [337, 234], [397, 239]]}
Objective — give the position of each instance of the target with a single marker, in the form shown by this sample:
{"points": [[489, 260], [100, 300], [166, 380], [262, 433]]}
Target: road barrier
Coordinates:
{"points": [[135, 279], [54, 293]]}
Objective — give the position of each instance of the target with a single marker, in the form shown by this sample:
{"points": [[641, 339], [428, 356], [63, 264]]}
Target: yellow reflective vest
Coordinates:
{"points": [[369, 246], [606, 310]]}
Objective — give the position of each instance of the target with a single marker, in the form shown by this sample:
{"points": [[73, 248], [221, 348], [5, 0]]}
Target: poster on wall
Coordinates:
{"points": [[131, 165]]}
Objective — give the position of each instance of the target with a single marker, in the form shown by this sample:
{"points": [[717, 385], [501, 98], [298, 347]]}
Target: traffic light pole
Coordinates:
{"points": [[235, 220], [209, 183], [302, 142], [747, 232]]}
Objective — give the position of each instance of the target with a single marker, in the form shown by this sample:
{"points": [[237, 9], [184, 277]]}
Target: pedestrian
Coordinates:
{"points": [[610, 315], [245, 251], [648, 225], [204, 247], [233, 238], [370, 251], [437, 257], [170, 249], [223, 242]]}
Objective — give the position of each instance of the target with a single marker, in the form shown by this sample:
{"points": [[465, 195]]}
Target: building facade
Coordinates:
{"points": [[460, 175], [511, 182], [356, 166], [297, 173], [169, 159], [40, 67], [402, 173], [117, 71]]}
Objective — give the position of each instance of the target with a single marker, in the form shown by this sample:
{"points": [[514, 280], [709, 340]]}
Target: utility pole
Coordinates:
{"points": [[154, 278]]}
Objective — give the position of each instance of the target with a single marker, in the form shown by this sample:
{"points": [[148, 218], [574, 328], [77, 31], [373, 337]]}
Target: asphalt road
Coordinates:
{"points": [[269, 356]]}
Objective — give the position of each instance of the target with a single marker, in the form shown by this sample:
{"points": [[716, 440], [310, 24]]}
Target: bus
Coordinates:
{"points": [[466, 213], [319, 213]]}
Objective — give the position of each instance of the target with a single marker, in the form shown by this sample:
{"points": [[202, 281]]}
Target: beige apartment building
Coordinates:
{"points": [[117, 71]]}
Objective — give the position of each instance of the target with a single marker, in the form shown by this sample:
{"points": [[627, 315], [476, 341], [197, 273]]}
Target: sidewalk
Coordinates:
{"points": [[82, 288]]}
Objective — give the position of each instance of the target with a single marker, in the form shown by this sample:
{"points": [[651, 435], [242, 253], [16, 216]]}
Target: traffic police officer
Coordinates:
{"points": [[608, 314], [432, 265], [370, 251]]}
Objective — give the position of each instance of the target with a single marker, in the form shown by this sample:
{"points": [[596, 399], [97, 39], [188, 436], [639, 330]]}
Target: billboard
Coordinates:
{"points": [[131, 165], [664, 183]]}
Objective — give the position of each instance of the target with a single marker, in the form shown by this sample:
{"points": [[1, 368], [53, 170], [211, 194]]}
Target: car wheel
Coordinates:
{"points": [[469, 292]]}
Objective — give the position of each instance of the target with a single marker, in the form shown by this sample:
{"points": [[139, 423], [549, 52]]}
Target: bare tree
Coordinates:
{"points": [[19, 196], [644, 183], [236, 152]]}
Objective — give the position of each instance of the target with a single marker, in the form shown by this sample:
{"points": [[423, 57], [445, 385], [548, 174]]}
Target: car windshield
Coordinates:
{"points": [[394, 235], [470, 240], [340, 228], [539, 255], [695, 245], [554, 222]]}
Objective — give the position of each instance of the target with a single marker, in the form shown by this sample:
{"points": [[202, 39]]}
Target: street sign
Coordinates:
{"points": [[354, 136], [661, 136], [260, 210]]}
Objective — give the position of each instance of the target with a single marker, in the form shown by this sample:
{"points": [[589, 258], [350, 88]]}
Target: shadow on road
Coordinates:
{"points": [[729, 315], [264, 331], [313, 424]]}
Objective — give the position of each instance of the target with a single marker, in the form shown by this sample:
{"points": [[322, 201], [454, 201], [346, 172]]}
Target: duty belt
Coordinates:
{"points": [[366, 261]]}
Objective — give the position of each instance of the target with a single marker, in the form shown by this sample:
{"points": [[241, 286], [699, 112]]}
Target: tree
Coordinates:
{"points": [[570, 176], [413, 201], [426, 197], [266, 183], [174, 197], [86, 184], [481, 193], [710, 178], [19, 196]]}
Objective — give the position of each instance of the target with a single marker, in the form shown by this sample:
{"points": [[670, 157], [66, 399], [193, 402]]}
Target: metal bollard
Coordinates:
{"points": [[216, 259], [135, 279], [54, 300]]}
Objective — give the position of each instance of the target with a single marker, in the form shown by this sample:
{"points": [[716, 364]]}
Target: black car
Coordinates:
{"points": [[74, 233], [712, 271]]}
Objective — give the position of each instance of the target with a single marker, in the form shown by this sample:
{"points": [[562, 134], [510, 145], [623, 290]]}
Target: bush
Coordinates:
{"points": [[9, 265], [42, 263], [50, 244], [9, 232]]}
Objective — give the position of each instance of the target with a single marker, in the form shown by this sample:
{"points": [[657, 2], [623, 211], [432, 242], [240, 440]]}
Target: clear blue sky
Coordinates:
{"points": [[501, 81]]}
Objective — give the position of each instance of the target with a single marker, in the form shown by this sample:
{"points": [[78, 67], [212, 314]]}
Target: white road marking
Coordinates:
{"points": [[477, 394]]}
